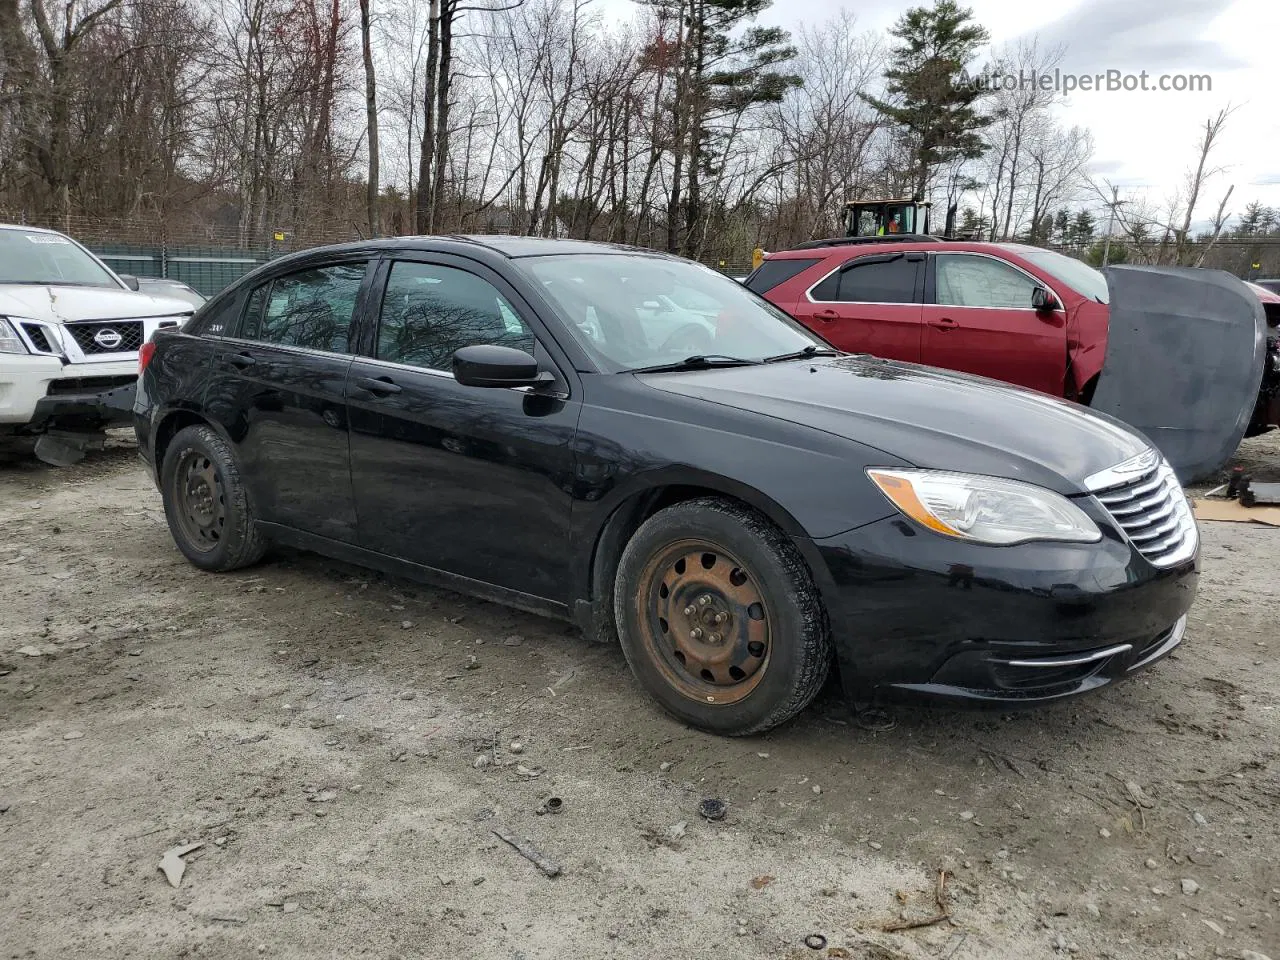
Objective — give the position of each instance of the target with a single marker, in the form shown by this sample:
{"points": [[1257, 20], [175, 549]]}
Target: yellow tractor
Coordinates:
{"points": [[884, 218]]}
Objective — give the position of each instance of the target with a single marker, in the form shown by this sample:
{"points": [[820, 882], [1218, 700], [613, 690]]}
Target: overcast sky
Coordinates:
{"points": [[1144, 141]]}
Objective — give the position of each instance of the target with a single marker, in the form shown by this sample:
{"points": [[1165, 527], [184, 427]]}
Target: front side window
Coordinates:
{"points": [[35, 257], [311, 308], [633, 311], [967, 281], [871, 281], [430, 311]]}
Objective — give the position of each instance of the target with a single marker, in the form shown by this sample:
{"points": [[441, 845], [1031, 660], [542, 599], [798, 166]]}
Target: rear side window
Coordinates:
{"points": [[311, 308], [774, 272], [871, 281]]}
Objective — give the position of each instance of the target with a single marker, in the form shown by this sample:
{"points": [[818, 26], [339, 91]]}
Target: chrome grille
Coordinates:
{"points": [[108, 336], [1146, 501]]}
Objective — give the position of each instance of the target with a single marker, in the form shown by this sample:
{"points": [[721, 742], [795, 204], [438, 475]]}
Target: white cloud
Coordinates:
{"points": [[1146, 140]]}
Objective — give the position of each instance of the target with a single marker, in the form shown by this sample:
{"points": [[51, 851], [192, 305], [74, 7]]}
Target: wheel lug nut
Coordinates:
{"points": [[696, 633], [690, 610], [714, 638], [721, 617], [704, 600]]}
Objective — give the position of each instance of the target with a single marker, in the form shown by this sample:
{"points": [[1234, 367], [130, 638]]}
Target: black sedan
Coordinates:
{"points": [[734, 501]]}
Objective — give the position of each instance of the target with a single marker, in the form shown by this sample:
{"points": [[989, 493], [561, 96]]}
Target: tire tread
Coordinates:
{"points": [[244, 545]]}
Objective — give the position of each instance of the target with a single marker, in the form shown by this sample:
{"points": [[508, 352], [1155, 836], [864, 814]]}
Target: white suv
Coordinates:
{"points": [[70, 331]]}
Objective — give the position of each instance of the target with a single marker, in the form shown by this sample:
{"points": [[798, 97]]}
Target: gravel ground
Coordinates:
{"points": [[346, 748]]}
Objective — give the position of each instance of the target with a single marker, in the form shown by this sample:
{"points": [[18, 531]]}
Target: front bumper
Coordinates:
{"points": [[918, 614], [39, 392]]}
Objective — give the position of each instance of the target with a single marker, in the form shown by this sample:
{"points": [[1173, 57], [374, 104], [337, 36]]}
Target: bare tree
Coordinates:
{"points": [[1196, 179], [371, 112]]}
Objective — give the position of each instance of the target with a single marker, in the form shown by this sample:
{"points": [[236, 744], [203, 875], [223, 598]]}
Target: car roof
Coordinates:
{"points": [[1265, 294], [26, 229], [509, 247], [905, 244]]}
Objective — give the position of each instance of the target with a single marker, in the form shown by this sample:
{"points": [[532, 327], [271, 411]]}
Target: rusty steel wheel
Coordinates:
{"points": [[705, 621], [719, 618], [206, 503]]}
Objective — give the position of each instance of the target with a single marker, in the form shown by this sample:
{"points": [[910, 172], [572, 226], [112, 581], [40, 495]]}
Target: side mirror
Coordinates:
{"points": [[130, 281], [1043, 301], [488, 365]]}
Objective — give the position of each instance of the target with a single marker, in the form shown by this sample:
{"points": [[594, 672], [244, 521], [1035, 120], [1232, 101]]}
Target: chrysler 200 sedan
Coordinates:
{"points": [[493, 415]]}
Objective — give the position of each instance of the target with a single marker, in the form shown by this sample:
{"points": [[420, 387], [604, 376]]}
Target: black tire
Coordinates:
{"points": [[653, 597], [206, 503]]}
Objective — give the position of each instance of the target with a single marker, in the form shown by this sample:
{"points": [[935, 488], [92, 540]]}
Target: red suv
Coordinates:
{"points": [[1003, 310]]}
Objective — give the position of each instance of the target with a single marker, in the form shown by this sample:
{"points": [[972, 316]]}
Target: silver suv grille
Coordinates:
{"points": [[107, 336], [1145, 499]]}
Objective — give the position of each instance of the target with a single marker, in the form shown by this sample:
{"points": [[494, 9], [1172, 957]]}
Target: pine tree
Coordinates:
{"points": [[1061, 226], [1083, 228], [1256, 220], [721, 71], [929, 93]]}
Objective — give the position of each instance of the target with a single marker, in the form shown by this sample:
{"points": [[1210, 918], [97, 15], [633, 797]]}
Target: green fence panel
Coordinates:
{"points": [[209, 269], [139, 261]]}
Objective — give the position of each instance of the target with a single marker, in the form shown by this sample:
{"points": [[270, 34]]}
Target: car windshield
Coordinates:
{"points": [[34, 257], [1076, 274], [642, 311]]}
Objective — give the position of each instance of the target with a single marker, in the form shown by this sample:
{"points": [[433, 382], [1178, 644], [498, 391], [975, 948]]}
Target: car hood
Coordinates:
{"points": [[924, 417], [55, 304]]}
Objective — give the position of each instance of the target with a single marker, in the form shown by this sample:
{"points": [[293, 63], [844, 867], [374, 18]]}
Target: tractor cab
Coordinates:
{"points": [[878, 218]]}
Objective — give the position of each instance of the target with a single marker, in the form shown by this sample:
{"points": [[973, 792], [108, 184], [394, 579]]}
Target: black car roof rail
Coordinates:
{"points": [[890, 238]]}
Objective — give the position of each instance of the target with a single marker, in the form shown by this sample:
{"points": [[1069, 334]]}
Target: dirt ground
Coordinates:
{"points": [[345, 746]]}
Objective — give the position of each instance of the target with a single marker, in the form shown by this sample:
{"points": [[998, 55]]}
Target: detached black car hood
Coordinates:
{"points": [[924, 417], [1186, 350]]}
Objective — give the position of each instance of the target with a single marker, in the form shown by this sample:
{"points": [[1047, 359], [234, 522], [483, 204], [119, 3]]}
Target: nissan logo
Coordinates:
{"points": [[107, 338]]}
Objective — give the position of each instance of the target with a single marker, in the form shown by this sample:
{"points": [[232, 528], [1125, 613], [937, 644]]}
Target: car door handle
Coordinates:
{"points": [[240, 360], [380, 385], [827, 315], [944, 323]]}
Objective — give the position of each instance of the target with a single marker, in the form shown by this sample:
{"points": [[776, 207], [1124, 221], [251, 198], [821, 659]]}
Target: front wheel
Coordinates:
{"points": [[719, 618], [206, 503]]}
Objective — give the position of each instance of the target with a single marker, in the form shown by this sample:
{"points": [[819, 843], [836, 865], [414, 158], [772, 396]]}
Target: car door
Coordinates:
{"points": [[978, 318], [476, 482], [871, 304], [277, 388]]}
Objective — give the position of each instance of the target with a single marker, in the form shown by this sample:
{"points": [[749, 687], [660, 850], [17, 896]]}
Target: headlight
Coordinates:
{"points": [[9, 342], [984, 509]]}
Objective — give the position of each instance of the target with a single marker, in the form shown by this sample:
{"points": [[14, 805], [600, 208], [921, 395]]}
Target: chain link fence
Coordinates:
{"points": [[207, 257]]}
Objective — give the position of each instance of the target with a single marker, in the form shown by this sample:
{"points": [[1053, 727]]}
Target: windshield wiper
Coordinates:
{"points": [[699, 362], [810, 351]]}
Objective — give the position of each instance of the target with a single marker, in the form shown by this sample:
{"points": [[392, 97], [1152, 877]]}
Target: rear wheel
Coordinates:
{"points": [[206, 503], [719, 618]]}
